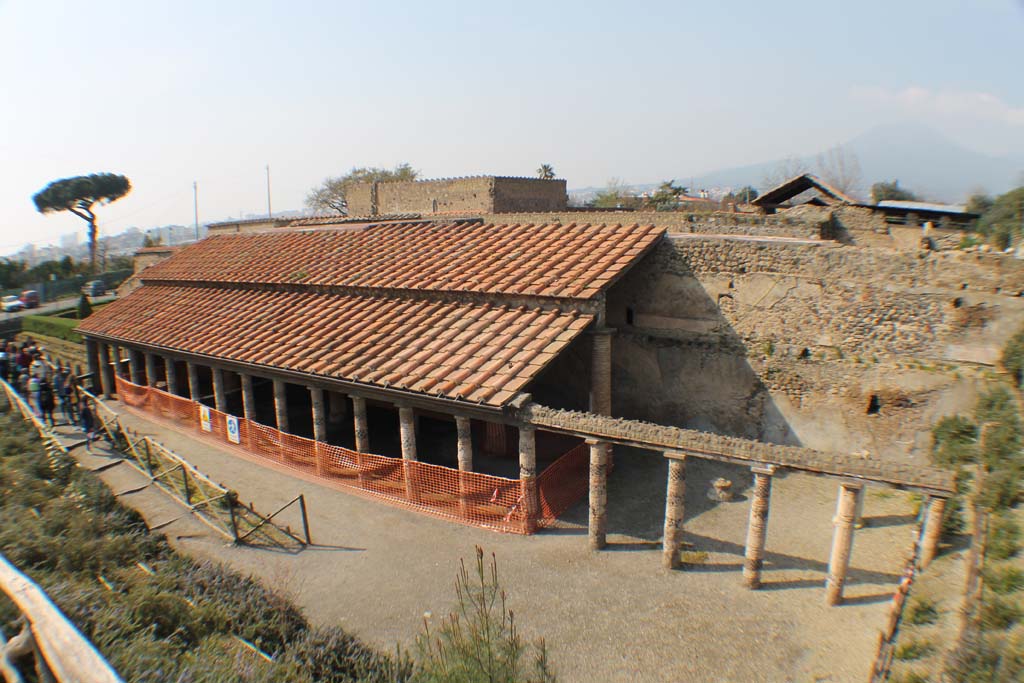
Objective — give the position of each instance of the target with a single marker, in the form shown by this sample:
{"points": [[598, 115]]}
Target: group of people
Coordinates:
{"points": [[44, 387]]}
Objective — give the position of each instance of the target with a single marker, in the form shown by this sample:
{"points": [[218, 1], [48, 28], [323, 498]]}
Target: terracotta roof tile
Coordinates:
{"points": [[556, 260], [377, 340]]}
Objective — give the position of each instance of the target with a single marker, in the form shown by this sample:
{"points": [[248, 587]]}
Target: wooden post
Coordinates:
{"points": [[150, 369], [194, 392], [932, 531], [842, 543], [305, 518], [316, 396], [757, 527], [220, 401], [598, 523], [528, 475], [675, 498], [172, 375], [184, 481], [407, 429], [281, 405]]}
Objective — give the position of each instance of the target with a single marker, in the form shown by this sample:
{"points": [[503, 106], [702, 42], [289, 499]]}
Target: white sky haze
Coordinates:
{"points": [[212, 91]]}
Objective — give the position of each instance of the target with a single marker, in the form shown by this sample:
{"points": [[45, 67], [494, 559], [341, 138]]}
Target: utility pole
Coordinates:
{"points": [[195, 203], [270, 214]]}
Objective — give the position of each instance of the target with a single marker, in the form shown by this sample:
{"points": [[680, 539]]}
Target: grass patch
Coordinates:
{"points": [[915, 648], [998, 613], [922, 611], [60, 328], [1003, 538], [1005, 579], [695, 556], [175, 620]]}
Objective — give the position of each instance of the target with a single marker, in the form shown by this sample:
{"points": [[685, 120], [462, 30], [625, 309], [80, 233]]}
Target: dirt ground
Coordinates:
{"points": [[614, 615]]}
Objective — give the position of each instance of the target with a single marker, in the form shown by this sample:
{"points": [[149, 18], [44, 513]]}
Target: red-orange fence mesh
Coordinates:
{"points": [[470, 498]]}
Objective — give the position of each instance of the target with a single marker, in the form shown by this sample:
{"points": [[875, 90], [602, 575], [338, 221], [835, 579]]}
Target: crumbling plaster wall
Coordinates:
{"points": [[788, 341]]}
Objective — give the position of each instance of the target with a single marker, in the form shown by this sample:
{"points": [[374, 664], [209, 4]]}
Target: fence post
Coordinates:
{"points": [[149, 462], [184, 481], [305, 518], [232, 499]]}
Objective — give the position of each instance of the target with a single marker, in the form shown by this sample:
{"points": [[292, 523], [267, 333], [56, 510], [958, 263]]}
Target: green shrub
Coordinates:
{"points": [[922, 611], [913, 649], [1003, 580], [331, 655], [909, 677], [478, 641], [1001, 489], [953, 440], [953, 521], [1003, 538], [975, 660], [999, 613], [60, 328], [84, 307], [1013, 358]]}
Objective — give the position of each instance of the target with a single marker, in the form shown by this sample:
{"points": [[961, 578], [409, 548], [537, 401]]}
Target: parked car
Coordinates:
{"points": [[94, 288], [30, 298], [12, 304]]}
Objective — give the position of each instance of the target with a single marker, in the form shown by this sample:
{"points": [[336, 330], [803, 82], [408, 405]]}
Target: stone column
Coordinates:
{"points": [[528, 475], [675, 498], [407, 429], [134, 368], [248, 398], [464, 447], [757, 528], [220, 401], [463, 429], [601, 379], [932, 531], [842, 543], [150, 369], [362, 428], [601, 373], [598, 526], [194, 392], [172, 375], [107, 382], [92, 355], [115, 359], [337, 407], [319, 426], [281, 405]]}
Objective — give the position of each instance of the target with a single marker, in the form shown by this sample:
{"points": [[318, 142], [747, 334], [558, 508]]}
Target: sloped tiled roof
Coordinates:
{"points": [[476, 352], [571, 261]]}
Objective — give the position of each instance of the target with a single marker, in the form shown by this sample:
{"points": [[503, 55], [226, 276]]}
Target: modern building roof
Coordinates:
{"points": [[798, 185], [374, 304], [567, 261], [922, 206]]}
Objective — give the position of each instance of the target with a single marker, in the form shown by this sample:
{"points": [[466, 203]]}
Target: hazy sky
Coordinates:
{"points": [[171, 92]]}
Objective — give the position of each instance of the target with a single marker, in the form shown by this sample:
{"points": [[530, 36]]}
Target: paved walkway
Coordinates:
{"points": [[607, 616]]}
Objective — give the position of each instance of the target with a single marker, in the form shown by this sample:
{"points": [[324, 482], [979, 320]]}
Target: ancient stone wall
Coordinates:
{"points": [[719, 223], [809, 343], [482, 194]]}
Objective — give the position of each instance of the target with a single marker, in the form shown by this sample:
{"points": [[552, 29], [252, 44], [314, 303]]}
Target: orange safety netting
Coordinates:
{"points": [[473, 498]]}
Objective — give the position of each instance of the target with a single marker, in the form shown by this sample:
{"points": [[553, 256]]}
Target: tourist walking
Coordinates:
{"points": [[88, 425], [46, 403]]}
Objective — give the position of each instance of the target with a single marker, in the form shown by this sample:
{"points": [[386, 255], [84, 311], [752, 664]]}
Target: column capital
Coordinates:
{"points": [[602, 330], [764, 469]]}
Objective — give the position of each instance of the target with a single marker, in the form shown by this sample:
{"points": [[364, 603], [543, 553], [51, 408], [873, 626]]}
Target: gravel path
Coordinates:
{"points": [[608, 616]]}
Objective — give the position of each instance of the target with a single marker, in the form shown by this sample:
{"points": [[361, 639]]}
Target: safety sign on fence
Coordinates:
{"points": [[204, 418], [232, 423]]}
